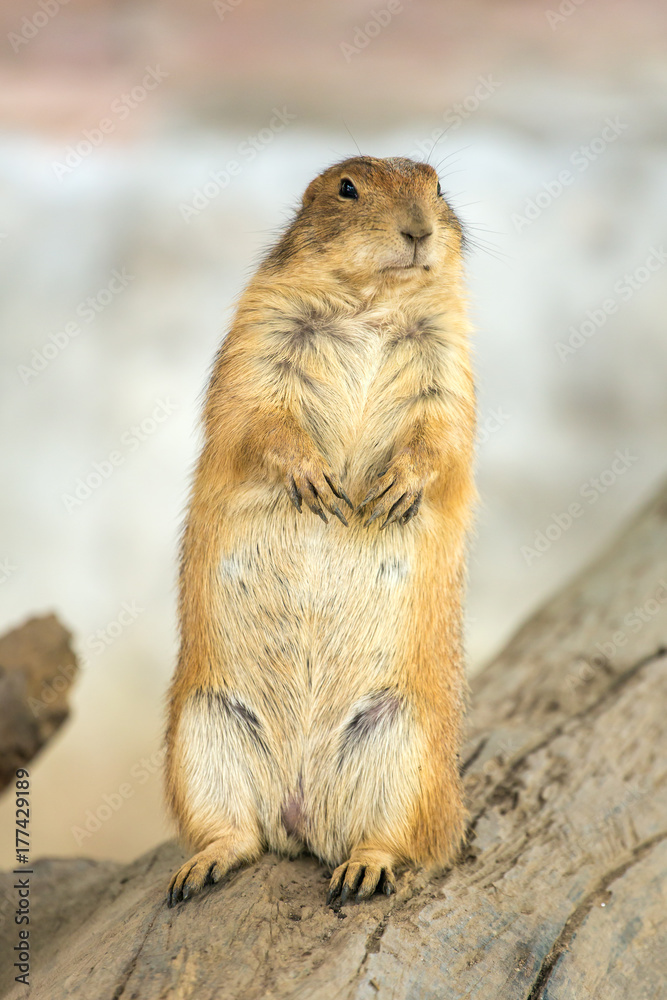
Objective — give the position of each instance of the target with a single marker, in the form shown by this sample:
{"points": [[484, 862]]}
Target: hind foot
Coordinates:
{"points": [[365, 873], [204, 868]]}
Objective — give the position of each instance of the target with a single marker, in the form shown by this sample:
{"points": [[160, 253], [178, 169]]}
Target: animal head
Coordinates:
{"points": [[367, 218]]}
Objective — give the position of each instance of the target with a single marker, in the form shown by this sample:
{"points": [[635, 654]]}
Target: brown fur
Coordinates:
{"points": [[319, 693]]}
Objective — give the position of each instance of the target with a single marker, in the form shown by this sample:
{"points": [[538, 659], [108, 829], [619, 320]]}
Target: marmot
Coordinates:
{"points": [[318, 700]]}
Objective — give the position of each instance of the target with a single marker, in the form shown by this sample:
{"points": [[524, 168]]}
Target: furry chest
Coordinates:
{"points": [[327, 374]]}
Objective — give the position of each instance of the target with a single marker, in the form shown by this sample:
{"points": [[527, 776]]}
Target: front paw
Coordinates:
{"points": [[312, 482], [397, 494]]}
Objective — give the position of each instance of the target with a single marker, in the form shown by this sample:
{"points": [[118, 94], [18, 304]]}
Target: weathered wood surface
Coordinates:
{"points": [[37, 667], [560, 894]]}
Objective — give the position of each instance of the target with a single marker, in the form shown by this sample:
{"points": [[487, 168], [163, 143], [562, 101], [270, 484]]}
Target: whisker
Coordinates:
{"points": [[352, 138]]}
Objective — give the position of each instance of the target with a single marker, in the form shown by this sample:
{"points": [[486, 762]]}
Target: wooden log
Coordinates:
{"points": [[37, 667], [559, 895]]}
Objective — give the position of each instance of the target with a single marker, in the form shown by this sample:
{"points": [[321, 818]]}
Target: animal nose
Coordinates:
{"points": [[416, 233]]}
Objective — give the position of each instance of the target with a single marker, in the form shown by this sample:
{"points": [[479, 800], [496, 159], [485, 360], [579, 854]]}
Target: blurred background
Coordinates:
{"points": [[150, 151]]}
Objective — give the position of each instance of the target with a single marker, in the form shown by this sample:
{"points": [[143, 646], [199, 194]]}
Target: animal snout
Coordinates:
{"points": [[417, 233]]}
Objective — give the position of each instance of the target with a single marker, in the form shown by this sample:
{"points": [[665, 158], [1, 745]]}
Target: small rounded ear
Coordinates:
{"points": [[311, 192]]}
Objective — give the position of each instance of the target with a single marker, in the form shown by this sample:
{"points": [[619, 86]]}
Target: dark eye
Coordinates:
{"points": [[347, 189], [439, 190]]}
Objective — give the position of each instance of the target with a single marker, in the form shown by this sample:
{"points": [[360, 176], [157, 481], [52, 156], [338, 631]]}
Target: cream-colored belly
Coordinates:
{"points": [[313, 633], [319, 608]]}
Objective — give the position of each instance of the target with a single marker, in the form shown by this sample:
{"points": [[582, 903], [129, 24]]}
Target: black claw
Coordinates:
{"points": [[372, 495], [293, 494], [388, 888], [316, 509], [390, 520], [332, 893], [373, 517], [351, 888], [339, 491], [393, 512], [339, 514], [314, 503], [335, 888], [414, 509]]}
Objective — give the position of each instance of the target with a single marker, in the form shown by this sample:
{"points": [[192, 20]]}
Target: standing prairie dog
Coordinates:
{"points": [[318, 699]]}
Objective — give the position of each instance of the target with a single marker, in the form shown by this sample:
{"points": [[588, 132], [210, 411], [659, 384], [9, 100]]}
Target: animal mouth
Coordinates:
{"points": [[416, 264]]}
